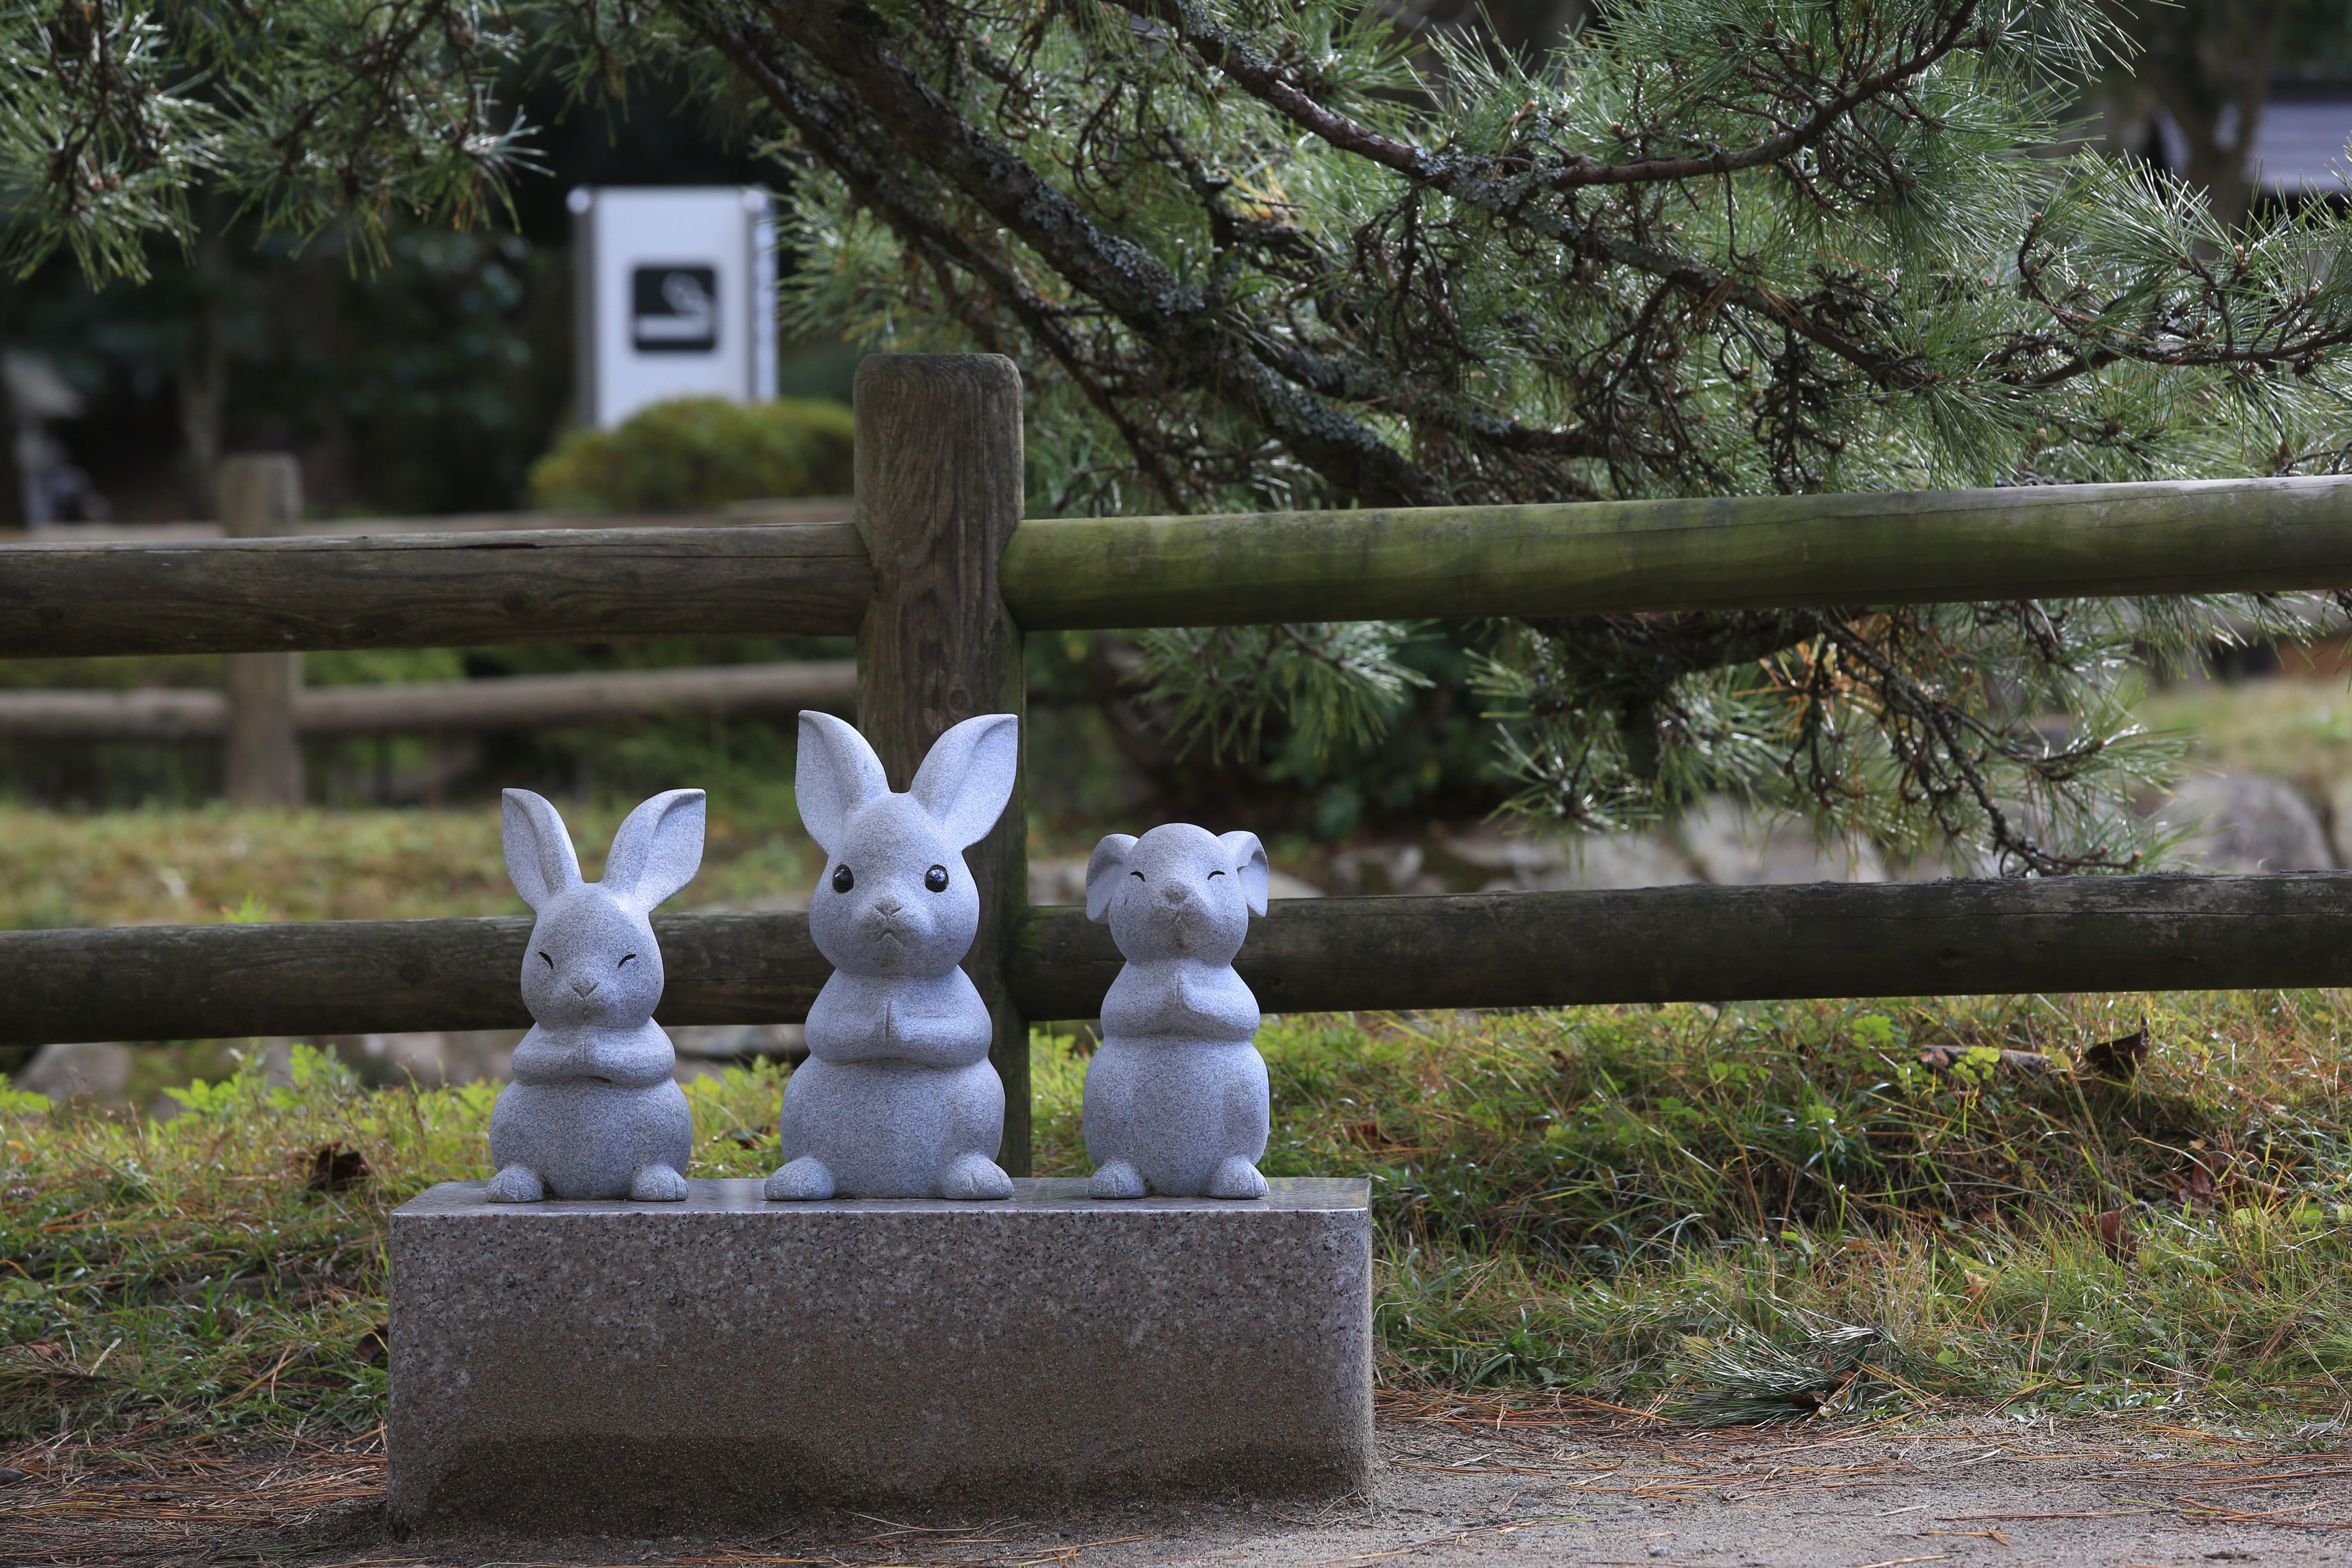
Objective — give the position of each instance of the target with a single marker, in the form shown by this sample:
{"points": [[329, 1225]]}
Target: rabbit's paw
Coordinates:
{"points": [[1117, 1180], [805, 1180], [515, 1184], [1236, 1178], [658, 1184], [974, 1176]]}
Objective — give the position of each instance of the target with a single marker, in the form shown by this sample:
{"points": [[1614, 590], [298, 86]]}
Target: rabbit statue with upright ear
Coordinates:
{"points": [[594, 1109], [898, 1098], [1176, 1098]]}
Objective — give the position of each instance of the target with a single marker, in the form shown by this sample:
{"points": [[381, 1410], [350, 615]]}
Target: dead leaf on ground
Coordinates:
{"points": [[2118, 1059], [335, 1169], [2113, 1233]]}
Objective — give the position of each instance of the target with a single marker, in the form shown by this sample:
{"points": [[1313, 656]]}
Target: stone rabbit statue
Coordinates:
{"points": [[594, 1109], [898, 1098], [1176, 1098]]}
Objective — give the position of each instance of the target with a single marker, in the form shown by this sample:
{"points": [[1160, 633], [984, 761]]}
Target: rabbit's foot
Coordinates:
{"points": [[1117, 1180], [1236, 1178], [515, 1184], [658, 1184], [974, 1176], [805, 1180]]}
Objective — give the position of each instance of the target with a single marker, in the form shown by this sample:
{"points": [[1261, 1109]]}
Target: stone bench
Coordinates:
{"points": [[644, 1369]]}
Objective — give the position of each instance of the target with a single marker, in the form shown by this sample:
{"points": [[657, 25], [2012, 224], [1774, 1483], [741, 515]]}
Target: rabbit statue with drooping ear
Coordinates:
{"points": [[594, 1109], [898, 1098], [1177, 1101]]}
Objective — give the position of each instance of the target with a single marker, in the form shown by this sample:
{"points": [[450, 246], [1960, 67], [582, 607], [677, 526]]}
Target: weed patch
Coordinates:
{"points": [[1738, 1214]]}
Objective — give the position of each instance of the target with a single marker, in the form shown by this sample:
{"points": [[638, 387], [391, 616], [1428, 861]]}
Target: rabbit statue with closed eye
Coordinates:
{"points": [[1176, 1098], [898, 1098], [594, 1109]]}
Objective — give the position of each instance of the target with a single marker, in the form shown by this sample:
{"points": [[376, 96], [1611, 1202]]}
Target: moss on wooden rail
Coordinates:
{"points": [[1745, 552], [1733, 553], [1480, 950]]}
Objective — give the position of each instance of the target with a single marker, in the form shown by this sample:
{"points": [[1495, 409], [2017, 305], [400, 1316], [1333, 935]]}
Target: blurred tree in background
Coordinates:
{"points": [[1255, 255], [2211, 66], [417, 367]]}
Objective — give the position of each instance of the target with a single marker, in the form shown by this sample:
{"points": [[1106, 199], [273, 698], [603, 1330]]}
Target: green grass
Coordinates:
{"points": [[2297, 728], [197, 865], [1674, 1207]]}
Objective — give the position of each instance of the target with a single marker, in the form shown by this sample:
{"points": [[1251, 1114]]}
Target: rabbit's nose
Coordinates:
{"points": [[1172, 891], [583, 986], [887, 906]]}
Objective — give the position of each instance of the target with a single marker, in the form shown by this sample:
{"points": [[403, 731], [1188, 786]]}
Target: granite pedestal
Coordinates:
{"points": [[715, 1365]]}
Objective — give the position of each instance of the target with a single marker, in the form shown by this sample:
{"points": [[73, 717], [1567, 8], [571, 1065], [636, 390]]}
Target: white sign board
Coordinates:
{"points": [[675, 290]]}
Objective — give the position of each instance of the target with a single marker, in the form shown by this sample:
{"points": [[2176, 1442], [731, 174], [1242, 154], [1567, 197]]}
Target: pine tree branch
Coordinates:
{"points": [[823, 130], [1509, 193], [1280, 88], [846, 39]]}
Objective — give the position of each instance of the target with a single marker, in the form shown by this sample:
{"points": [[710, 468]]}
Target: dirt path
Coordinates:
{"points": [[1458, 1488]]}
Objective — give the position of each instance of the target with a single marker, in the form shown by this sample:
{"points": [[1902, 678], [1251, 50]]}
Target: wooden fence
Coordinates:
{"points": [[262, 711], [939, 578], [441, 707]]}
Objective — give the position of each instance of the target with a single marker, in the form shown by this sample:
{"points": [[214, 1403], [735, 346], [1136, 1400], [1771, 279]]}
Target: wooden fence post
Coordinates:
{"points": [[260, 496], [939, 466]]}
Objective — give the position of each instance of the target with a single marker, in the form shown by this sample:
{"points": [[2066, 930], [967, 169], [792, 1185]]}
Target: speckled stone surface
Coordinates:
{"points": [[898, 1099], [706, 1365], [1177, 1100], [594, 1109]]}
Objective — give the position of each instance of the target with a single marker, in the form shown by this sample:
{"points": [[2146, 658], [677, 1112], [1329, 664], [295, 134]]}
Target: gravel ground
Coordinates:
{"points": [[1457, 1488]]}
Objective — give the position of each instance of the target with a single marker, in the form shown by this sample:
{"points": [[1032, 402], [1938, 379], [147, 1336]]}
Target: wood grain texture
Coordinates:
{"points": [[1748, 552], [1737, 552], [1695, 944], [260, 496], [1702, 943], [413, 590], [939, 493], [513, 703], [353, 977]]}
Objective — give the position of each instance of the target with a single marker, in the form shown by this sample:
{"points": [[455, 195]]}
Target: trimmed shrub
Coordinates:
{"points": [[691, 454]]}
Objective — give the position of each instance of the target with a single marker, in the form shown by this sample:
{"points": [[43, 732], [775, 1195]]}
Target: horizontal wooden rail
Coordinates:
{"points": [[1476, 950], [517, 702], [419, 590], [1738, 552], [578, 584], [734, 514]]}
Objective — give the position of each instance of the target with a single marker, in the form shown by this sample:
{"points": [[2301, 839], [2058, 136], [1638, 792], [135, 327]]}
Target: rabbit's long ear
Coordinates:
{"points": [[1103, 871], [539, 856], [968, 776], [657, 849], [836, 773], [1247, 858]]}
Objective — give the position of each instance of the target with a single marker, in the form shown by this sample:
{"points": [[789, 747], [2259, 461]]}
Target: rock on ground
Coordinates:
{"points": [[2246, 823], [1732, 844], [1719, 841], [93, 1069]]}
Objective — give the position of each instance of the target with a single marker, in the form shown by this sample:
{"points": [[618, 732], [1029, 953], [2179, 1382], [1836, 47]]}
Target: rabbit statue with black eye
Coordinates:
{"points": [[898, 1098], [594, 1109], [1176, 1098]]}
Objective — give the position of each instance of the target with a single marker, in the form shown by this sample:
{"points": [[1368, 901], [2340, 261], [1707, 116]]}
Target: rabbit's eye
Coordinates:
{"points": [[625, 959], [547, 960], [1136, 875], [1214, 875], [842, 880], [936, 878]]}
